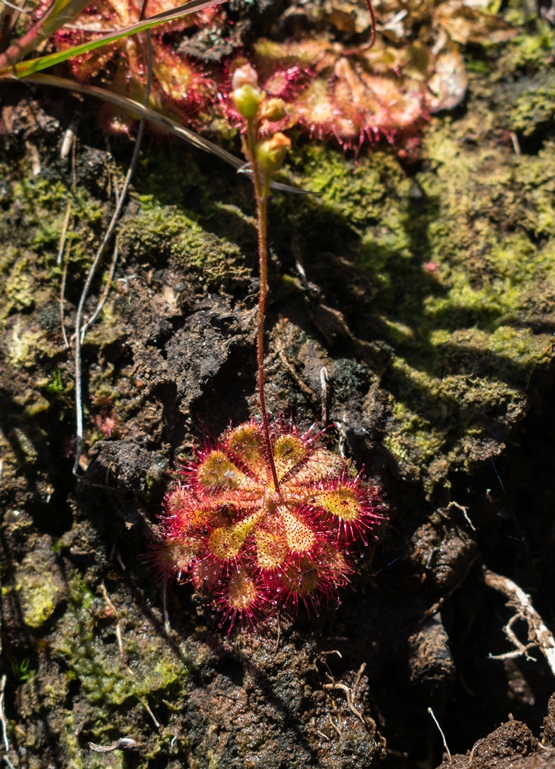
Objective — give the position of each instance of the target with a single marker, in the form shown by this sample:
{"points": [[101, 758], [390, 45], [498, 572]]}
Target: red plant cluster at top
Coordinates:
{"points": [[257, 549], [321, 65]]}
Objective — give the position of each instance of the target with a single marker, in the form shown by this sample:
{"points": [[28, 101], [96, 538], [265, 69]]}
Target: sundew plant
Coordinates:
{"points": [[266, 517]]}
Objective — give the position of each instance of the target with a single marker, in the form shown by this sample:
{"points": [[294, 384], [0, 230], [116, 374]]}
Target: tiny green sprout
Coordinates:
{"points": [[21, 671], [56, 385]]}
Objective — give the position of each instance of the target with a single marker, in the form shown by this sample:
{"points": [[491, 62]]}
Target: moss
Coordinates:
{"points": [[148, 665], [530, 50], [172, 233], [22, 345], [534, 109], [18, 287], [39, 588], [355, 191], [181, 219], [70, 742], [458, 265]]}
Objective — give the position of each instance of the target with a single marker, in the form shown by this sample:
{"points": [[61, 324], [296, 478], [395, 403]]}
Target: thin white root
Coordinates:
{"points": [[440, 730], [4, 722], [123, 742], [539, 636]]}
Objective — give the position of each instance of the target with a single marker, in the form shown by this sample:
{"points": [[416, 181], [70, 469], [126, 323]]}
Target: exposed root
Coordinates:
{"points": [[539, 636], [4, 723], [440, 730], [123, 742], [350, 704]]}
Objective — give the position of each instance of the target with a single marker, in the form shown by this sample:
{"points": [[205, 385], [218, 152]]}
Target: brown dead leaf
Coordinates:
{"points": [[447, 86], [465, 23]]}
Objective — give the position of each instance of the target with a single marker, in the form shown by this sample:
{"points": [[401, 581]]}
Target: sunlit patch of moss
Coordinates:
{"points": [[42, 204], [534, 107], [170, 232], [39, 587], [36, 406], [18, 287], [459, 266], [356, 191], [38, 599], [531, 48], [21, 347], [149, 663], [413, 441]]}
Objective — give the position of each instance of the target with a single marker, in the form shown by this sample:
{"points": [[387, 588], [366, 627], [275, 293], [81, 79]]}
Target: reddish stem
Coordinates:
{"points": [[30, 40], [367, 46], [373, 21], [261, 184]]}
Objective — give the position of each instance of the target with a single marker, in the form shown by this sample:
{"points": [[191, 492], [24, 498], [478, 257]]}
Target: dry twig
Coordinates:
{"points": [[64, 233], [115, 612]]}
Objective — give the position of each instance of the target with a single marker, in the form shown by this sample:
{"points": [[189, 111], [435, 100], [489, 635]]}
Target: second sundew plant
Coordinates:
{"points": [[266, 517]]}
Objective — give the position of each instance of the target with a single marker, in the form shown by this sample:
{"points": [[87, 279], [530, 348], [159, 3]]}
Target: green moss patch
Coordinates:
{"points": [[108, 675]]}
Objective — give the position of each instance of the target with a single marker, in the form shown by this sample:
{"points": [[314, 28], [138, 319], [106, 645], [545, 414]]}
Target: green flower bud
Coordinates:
{"points": [[273, 110], [247, 100], [270, 153]]}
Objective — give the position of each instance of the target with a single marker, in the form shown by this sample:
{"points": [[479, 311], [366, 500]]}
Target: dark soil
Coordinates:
{"points": [[88, 653]]}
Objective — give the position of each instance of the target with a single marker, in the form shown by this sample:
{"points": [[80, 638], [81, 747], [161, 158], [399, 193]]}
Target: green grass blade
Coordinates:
{"points": [[26, 68], [140, 111], [62, 12]]}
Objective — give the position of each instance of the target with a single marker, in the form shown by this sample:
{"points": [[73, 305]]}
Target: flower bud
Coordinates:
{"points": [[245, 75], [270, 153], [273, 110], [247, 99]]}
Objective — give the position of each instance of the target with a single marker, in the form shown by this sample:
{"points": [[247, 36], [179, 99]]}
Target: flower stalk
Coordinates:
{"points": [[264, 157]]}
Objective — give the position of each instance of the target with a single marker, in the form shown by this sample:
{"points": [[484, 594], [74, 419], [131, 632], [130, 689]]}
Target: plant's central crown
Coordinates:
{"points": [[257, 547]]}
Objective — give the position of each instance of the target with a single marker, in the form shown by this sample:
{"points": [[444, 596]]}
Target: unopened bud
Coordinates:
{"points": [[273, 110], [270, 153], [247, 99], [245, 75]]}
